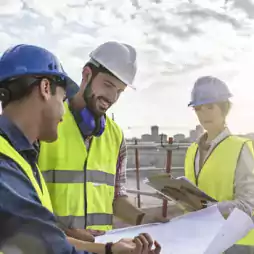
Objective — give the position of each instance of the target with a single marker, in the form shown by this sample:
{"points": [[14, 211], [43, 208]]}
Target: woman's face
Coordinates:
{"points": [[210, 116]]}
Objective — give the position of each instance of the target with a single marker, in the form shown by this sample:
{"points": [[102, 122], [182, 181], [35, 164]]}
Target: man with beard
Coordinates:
{"points": [[85, 168]]}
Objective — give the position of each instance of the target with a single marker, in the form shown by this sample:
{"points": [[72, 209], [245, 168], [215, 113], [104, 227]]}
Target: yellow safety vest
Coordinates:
{"points": [[216, 177], [7, 150], [81, 183]]}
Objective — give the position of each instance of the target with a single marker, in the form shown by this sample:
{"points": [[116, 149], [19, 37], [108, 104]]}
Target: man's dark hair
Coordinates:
{"points": [[20, 88], [96, 70]]}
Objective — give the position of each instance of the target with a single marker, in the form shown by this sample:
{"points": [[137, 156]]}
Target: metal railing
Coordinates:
{"points": [[169, 147], [153, 168]]}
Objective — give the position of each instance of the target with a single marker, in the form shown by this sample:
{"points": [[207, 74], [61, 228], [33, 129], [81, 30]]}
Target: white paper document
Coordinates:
{"points": [[201, 232]]}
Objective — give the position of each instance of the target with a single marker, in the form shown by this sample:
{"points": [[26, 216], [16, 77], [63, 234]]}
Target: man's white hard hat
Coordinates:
{"points": [[118, 58]]}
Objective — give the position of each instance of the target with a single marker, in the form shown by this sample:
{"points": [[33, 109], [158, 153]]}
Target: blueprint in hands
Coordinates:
{"points": [[201, 232]]}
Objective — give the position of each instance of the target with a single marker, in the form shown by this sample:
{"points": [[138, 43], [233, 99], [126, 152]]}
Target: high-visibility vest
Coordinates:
{"points": [[7, 150], [216, 178], [81, 183]]}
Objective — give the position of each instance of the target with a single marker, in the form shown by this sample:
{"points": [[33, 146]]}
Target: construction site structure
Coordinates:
{"points": [[169, 147]]}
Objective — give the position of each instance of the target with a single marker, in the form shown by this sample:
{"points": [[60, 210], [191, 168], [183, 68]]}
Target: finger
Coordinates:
{"points": [[139, 246], [149, 240], [145, 243], [157, 247]]}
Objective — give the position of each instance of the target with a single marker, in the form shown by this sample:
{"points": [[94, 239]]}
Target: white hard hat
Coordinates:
{"points": [[208, 90], [118, 58]]}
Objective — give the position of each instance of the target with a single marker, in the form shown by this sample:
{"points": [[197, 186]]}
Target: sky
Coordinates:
{"points": [[177, 41]]}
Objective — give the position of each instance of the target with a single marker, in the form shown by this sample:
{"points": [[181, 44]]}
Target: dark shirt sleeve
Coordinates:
{"points": [[24, 223]]}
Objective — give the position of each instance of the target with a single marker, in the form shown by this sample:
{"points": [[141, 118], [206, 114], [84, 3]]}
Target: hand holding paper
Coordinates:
{"points": [[201, 232], [181, 190]]}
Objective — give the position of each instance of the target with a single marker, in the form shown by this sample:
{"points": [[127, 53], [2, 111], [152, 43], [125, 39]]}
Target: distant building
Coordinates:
{"points": [[178, 138], [163, 138], [155, 131], [146, 138], [199, 130], [193, 136], [154, 136]]}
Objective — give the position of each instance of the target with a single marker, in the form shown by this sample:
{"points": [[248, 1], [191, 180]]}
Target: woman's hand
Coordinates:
{"points": [[142, 244]]}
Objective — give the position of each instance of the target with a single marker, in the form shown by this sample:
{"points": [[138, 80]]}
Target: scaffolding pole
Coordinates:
{"points": [[137, 173], [168, 170]]}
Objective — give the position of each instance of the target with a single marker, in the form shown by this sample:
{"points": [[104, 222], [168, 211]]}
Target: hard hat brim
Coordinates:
{"points": [[71, 89], [208, 101]]}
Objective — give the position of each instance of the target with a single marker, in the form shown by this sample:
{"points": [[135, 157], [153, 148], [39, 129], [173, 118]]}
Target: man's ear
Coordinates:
{"points": [[86, 77], [45, 89]]}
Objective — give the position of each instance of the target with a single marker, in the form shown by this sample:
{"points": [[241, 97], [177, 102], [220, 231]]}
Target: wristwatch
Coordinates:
{"points": [[108, 248]]}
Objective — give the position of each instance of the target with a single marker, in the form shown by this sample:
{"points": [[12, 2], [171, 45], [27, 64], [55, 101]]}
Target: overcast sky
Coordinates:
{"points": [[177, 41]]}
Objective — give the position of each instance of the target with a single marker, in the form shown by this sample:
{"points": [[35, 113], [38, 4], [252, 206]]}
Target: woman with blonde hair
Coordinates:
{"points": [[219, 163]]}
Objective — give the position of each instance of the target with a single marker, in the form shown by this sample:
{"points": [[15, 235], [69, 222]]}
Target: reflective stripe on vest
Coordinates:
{"points": [[216, 177], [7, 150], [73, 176], [100, 220], [63, 162]]}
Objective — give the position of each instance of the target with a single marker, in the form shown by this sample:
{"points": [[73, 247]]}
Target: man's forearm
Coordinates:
{"points": [[80, 234], [126, 211], [87, 246]]}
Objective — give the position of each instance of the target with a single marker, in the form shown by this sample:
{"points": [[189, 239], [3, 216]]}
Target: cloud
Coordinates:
{"points": [[175, 40], [10, 7]]}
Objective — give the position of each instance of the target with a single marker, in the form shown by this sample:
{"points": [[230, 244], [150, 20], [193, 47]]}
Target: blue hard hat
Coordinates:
{"points": [[24, 59], [207, 90]]}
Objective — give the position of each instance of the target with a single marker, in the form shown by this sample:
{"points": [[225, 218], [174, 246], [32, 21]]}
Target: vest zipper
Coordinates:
{"points": [[85, 193], [197, 176]]}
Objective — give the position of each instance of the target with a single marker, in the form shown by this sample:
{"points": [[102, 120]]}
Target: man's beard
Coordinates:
{"points": [[91, 105], [91, 101]]}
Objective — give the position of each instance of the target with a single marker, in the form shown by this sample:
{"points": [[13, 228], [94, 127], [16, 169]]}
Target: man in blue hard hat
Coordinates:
{"points": [[32, 90]]}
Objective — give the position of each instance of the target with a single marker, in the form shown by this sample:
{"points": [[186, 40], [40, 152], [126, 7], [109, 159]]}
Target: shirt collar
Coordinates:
{"points": [[14, 135], [224, 134]]}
